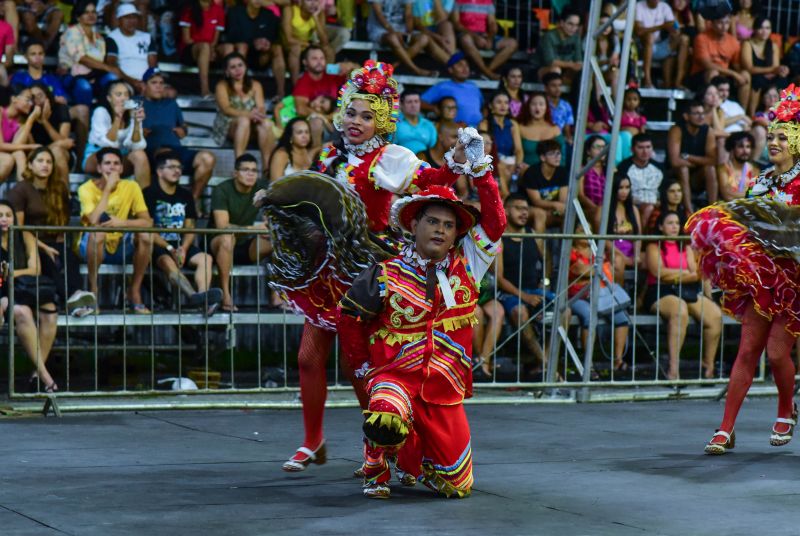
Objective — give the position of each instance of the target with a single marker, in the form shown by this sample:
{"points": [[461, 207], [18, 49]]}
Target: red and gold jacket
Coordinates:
{"points": [[394, 323]]}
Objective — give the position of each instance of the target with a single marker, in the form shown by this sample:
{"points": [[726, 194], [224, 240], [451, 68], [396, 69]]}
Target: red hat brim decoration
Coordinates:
{"points": [[406, 209]]}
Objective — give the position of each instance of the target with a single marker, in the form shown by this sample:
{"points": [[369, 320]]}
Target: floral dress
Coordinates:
{"points": [[222, 122]]}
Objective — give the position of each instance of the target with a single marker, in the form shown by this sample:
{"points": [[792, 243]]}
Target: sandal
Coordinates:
{"points": [[293, 465], [51, 389], [139, 308], [778, 439], [721, 448]]}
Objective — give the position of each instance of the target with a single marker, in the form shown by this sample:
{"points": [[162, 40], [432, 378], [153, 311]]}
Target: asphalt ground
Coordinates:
{"points": [[549, 469]]}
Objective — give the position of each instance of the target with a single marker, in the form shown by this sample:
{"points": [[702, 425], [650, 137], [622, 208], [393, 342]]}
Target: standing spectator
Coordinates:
{"points": [[35, 314], [519, 272], [535, 125], [463, 91], [645, 175], [561, 50], [717, 52], [164, 128], [117, 122], [414, 131], [131, 50], [511, 83], [674, 291], [737, 175], [53, 129], [172, 207], [242, 111], [476, 25], [293, 152], [560, 109], [43, 199], [654, 19], [762, 59], [735, 117], [16, 121], [591, 187], [433, 20], [623, 219], [40, 20], [109, 201], [232, 208], [252, 31], [391, 23], [201, 22], [303, 23], [546, 185], [82, 54], [692, 153]]}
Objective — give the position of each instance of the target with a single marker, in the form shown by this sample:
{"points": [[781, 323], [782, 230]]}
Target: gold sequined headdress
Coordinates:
{"points": [[786, 116], [374, 83]]}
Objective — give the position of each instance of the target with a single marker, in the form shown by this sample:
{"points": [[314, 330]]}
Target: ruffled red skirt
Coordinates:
{"points": [[746, 271]]}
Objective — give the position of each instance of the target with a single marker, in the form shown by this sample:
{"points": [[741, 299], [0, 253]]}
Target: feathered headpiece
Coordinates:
{"points": [[786, 116], [374, 83]]}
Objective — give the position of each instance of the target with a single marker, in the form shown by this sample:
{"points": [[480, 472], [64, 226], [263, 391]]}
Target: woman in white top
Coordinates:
{"points": [[117, 122], [293, 152]]}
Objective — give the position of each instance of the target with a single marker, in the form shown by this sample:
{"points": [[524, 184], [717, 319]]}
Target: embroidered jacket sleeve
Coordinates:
{"points": [[357, 309], [482, 243], [401, 172]]}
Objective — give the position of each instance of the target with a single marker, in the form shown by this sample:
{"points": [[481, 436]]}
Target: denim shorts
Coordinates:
{"points": [[125, 244]]}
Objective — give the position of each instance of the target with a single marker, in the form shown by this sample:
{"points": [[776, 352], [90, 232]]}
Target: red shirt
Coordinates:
{"points": [[213, 21], [328, 85]]}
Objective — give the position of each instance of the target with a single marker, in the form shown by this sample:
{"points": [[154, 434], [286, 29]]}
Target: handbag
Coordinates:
{"points": [[613, 298], [25, 290]]}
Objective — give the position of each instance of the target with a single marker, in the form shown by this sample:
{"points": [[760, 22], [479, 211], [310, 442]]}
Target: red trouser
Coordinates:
{"points": [[437, 448]]}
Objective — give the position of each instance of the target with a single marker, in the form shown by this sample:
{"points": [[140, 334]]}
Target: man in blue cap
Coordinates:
{"points": [[466, 93]]}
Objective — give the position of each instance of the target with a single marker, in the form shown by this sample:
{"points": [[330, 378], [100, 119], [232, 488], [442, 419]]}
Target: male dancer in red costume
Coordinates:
{"points": [[407, 323]]}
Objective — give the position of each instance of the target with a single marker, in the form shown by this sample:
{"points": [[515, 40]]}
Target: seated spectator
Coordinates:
{"points": [[43, 199], [294, 151], [172, 207], [464, 91], [769, 98], [546, 186], [670, 199], [506, 135], [735, 117], [591, 187], [632, 121], [53, 129], [201, 22], [762, 59], [164, 128], [623, 219], [717, 52], [303, 23], [644, 173], [232, 208], [692, 154], [715, 117], [242, 112], [660, 38], [737, 175], [598, 121], [16, 121], [414, 131], [35, 314], [607, 52], [82, 54], [675, 292], [446, 112], [252, 31], [117, 123], [535, 125], [581, 271], [322, 110], [110, 201], [337, 25], [129, 49], [476, 25], [487, 331], [163, 20], [40, 20], [511, 83], [560, 109], [521, 292], [433, 20], [743, 19], [8, 46], [688, 24], [446, 139], [561, 49]]}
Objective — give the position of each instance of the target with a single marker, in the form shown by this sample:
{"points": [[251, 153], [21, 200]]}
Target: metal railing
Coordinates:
{"points": [[117, 353]]}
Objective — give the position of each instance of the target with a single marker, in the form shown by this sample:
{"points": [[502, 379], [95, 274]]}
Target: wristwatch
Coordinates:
{"points": [[685, 156]]}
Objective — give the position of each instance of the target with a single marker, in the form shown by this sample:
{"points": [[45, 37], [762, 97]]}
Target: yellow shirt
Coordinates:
{"points": [[302, 29], [124, 202]]}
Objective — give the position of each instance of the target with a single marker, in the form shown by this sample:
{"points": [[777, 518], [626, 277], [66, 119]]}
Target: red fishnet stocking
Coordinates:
{"points": [[779, 351], [755, 329]]}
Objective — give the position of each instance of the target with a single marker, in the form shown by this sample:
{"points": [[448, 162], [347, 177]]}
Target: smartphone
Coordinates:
{"points": [[131, 104], [104, 217]]}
